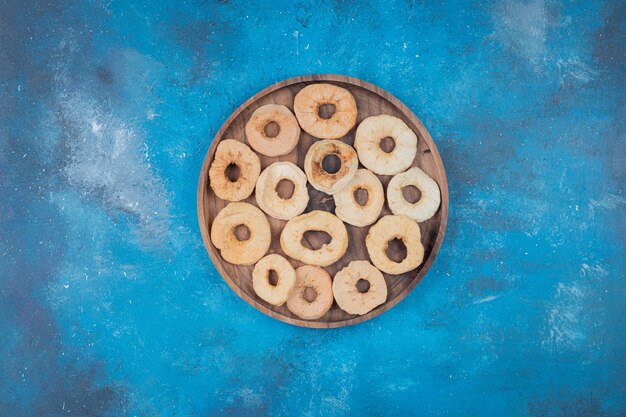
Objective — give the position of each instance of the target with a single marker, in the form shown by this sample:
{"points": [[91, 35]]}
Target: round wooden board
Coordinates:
{"points": [[371, 101]]}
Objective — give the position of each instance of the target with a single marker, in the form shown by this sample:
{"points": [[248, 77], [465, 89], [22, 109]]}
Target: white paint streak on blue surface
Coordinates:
{"points": [[487, 299], [522, 27], [564, 316], [606, 202], [574, 71], [109, 159]]}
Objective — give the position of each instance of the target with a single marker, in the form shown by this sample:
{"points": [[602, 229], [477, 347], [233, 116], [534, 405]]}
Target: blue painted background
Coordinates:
{"points": [[109, 305]]}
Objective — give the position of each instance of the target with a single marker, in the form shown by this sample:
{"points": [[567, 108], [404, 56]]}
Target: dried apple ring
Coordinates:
{"points": [[248, 250], [308, 101], [278, 292], [267, 196], [315, 280], [350, 298], [319, 177], [288, 130], [292, 234], [425, 207], [395, 227], [367, 141], [351, 211], [232, 152]]}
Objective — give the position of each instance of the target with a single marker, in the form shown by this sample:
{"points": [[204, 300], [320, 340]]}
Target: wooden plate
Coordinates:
{"points": [[370, 100]]}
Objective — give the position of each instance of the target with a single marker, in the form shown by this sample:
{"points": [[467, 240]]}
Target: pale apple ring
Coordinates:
{"points": [[287, 137], [233, 250], [291, 238], [425, 207], [306, 107], [231, 151], [318, 280], [273, 204], [324, 181], [372, 131], [347, 294], [395, 227], [273, 294], [349, 210]]}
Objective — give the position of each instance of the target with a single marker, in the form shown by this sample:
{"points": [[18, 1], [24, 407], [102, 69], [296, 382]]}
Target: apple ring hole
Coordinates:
{"points": [[363, 285], [315, 239], [411, 194], [396, 250], [241, 232], [232, 172], [325, 111], [309, 294], [271, 130], [387, 144], [285, 189]]}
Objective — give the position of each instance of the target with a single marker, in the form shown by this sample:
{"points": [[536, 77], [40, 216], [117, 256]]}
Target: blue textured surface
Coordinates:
{"points": [[109, 305]]}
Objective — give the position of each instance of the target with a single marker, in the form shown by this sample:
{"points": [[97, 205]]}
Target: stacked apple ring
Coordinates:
{"points": [[308, 290]]}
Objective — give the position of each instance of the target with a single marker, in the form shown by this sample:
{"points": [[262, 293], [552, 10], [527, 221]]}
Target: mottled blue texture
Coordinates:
{"points": [[109, 305]]}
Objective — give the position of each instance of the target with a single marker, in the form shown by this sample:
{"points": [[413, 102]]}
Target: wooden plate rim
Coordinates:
{"points": [[443, 185]]}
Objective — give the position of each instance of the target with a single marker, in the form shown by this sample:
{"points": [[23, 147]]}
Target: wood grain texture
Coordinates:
{"points": [[371, 100]]}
